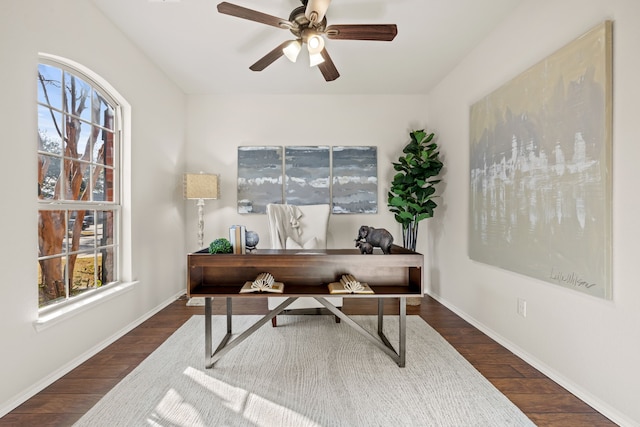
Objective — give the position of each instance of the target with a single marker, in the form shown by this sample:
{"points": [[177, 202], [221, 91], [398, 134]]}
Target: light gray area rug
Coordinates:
{"points": [[309, 371]]}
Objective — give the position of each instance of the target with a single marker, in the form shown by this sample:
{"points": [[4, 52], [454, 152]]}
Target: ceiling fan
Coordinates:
{"points": [[308, 24]]}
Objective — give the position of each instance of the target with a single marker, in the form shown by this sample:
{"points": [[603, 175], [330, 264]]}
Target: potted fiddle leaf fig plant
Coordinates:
{"points": [[412, 190]]}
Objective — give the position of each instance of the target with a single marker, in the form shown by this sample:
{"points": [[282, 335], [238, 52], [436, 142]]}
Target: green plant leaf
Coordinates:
{"points": [[397, 201], [406, 216], [418, 135], [422, 216]]}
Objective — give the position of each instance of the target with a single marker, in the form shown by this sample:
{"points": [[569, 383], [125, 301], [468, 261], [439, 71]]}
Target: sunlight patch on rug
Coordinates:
{"points": [[254, 408]]}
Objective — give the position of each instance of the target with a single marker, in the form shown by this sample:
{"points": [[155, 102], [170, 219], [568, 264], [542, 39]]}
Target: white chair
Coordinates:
{"points": [[299, 227]]}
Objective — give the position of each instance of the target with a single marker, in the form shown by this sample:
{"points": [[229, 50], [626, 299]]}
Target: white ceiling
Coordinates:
{"points": [[205, 52]]}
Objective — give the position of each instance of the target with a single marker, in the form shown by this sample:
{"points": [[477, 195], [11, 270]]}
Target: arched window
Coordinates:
{"points": [[79, 200]]}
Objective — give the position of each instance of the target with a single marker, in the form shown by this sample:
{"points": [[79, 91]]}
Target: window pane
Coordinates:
{"points": [[108, 118], [88, 232], [102, 112], [103, 187], [103, 153], [109, 186], [96, 107], [106, 141], [79, 139], [51, 286], [52, 225], [48, 137], [74, 233], [83, 273], [40, 283], [82, 231], [89, 222], [78, 181], [50, 78], [104, 228], [97, 154], [48, 173], [98, 186], [106, 266], [77, 97]]}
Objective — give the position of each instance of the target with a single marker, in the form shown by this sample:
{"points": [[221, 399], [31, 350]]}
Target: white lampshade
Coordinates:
{"points": [[316, 10], [201, 186], [292, 50], [315, 59]]}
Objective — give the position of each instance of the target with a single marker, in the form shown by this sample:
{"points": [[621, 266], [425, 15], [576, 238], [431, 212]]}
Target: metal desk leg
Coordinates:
{"points": [[380, 315], [381, 341], [208, 340], [207, 330], [402, 339], [402, 329], [229, 300], [226, 345]]}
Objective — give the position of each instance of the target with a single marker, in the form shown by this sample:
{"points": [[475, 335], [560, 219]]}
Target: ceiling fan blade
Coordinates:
{"points": [[269, 58], [328, 68], [316, 9], [375, 32], [252, 15]]}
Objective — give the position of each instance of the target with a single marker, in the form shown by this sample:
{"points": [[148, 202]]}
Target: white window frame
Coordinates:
{"points": [[51, 314]]}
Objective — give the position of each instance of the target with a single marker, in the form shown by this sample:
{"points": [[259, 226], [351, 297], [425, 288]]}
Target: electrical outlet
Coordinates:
{"points": [[522, 307]]}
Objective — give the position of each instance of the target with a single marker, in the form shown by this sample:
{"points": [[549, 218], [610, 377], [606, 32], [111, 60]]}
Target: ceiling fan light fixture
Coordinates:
{"points": [[315, 59], [292, 50]]}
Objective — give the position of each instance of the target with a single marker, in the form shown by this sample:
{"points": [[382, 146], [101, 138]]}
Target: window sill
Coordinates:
{"points": [[52, 317]]}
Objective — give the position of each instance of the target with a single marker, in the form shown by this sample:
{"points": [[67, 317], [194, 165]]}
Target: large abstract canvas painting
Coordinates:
{"points": [[355, 180], [307, 174], [259, 178], [540, 169]]}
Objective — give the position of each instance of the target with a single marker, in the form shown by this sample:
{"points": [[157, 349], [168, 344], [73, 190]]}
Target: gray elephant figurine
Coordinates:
{"points": [[365, 248], [376, 237]]}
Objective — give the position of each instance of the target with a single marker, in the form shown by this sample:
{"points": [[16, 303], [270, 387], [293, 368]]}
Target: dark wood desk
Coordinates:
{"points": [[306, 273]]}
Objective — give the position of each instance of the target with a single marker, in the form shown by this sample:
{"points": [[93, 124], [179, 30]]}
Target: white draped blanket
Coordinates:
{"points": [[309, 371], [284, 222]]}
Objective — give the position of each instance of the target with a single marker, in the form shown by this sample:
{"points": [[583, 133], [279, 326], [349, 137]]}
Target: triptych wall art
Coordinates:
{"points": [[344, 176], [540, 169]]}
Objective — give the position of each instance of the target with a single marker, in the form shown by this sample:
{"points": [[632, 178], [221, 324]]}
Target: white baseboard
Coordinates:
{"points": [[45, 382], [596, 403]]}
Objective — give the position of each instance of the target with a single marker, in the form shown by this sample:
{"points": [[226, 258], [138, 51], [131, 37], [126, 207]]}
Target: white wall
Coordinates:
{"points": [[217, 125], [29, 359], [588, 344]]}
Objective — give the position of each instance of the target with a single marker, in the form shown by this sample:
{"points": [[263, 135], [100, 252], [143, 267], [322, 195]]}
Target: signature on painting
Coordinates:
{"points": [[570, 278]]}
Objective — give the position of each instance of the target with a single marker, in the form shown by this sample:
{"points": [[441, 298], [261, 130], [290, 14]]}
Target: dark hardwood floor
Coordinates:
{"points": [[542, 400]]}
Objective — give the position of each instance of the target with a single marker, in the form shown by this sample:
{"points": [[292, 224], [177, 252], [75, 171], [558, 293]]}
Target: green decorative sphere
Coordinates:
{"points": [[220, 246]]}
